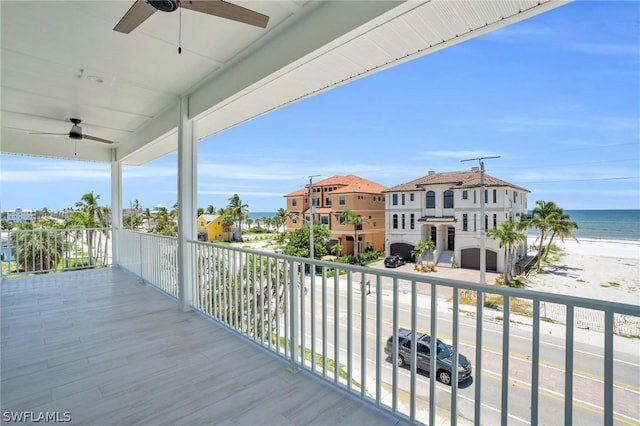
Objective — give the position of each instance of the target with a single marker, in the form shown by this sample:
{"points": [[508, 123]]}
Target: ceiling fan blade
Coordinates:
{"points": [[136, 15], [227, 10], [93, 138], [43, 133]]}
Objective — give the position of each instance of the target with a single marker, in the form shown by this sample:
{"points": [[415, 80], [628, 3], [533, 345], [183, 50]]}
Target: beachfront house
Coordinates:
{"points": [[445, 207], [21, 215], [333, 196], [210, 228]]}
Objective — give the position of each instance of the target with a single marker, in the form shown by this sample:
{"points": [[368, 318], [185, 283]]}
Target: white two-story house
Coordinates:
{"points": [[446, 208]]}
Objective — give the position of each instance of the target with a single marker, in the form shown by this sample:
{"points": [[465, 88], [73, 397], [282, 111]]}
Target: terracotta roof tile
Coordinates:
{"points": [[343, 184], [463, 179]]}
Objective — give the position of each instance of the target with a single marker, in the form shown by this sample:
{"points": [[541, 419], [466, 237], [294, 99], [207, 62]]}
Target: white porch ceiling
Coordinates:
{"points": [[231, 72]]}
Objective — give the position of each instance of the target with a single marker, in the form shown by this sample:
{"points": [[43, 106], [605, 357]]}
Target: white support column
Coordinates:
{"points": [[116, 207], [187, 200]]}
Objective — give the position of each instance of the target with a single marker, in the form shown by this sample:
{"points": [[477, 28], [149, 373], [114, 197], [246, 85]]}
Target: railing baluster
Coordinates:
{"points": [[456, 343], [336, 325], [325, 337], [477, 419], [535, 362], [349, 328], [363, 336], [608, 367], [568, 376], [414, 352], [433, 371], [313, 316], [505, 360], [378, 337]]}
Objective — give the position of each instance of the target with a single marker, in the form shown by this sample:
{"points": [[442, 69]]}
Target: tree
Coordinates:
{"points": [[280, 219], [227, 224], [163, 223], [509, 237], [336, 249], [147, 217], [419, 249], [542, 218], [211, 209], [237, 210], [200, 212], [90, 216], [561, 226], [351, 218], [36, 249], [298, 244]]}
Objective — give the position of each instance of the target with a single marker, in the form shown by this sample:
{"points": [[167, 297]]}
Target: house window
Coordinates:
{"points": [[294, 219], [431, 200], [474, 197], [495, 196], [411, 197], [403, 224], [328, 201], [403, 199], [394, 199], [342, 201], [324, 219], [465, 194], [465, 222], [294, 202], [495, 221], [515, 194], [475, 227], [486, 196], [448, 199], [412, 220], [486, 222], [316, 202], [395, 221]]}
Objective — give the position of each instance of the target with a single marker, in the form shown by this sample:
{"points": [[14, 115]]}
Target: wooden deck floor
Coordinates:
{"points": [[109, 350]]}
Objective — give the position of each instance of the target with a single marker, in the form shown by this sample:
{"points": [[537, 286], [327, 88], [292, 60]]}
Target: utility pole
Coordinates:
{"points": [[483, 222], [312, 212]]}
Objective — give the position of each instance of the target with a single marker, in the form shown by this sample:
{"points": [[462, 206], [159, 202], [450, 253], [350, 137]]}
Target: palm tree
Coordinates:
{"points": [[280, 218], [36, 250], [509, 237], [200, 212], [90, 215], [351, 218], [561, 226], [147, 218], [418, 251], [542, 217], [211, 209], [237, 210], [336, 249]]}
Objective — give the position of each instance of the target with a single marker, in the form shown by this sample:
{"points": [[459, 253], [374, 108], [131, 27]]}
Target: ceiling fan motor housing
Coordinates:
{"points": [[165, 5]]}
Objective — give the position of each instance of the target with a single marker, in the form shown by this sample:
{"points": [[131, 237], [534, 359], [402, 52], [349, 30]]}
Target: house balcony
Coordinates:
{"points": [[264, 340]]}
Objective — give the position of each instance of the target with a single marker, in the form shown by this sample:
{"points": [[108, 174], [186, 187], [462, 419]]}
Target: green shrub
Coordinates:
{"points": [[369, 256]]}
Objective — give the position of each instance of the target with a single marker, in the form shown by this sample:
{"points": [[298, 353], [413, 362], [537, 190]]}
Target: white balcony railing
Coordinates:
{"points": [[529, 367], [152, 257], [38, 251], [335, 323]]}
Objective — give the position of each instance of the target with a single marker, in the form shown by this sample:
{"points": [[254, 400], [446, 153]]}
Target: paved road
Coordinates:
{"points": [[588, 365]]}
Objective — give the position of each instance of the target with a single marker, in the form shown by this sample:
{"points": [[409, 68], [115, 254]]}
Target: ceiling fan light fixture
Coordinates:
{"points": [[165, 5]]}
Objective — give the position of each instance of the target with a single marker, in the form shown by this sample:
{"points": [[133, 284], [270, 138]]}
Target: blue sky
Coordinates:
{"points": [[557, 97]]}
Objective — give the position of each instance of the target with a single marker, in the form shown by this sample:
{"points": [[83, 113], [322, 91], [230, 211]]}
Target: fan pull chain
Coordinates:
{"points": [[75, 148], [180, 32]]}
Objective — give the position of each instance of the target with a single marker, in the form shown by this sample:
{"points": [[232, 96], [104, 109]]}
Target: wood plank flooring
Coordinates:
{"points": [[105, 348]]}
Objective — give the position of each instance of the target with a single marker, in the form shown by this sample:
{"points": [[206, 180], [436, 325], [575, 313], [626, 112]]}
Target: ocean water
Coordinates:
{"points": [[598, 224], [605, 224]]}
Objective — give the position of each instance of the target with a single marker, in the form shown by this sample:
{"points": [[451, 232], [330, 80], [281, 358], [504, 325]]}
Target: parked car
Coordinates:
{"points": [[444, 360], [394, 261]]}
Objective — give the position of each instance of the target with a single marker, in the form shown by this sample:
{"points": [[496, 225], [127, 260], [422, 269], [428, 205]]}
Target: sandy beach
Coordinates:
{"points": [[598, 269]]}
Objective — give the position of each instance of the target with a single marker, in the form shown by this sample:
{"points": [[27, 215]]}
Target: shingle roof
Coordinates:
{"points": [[463, 179], [343, 184]]}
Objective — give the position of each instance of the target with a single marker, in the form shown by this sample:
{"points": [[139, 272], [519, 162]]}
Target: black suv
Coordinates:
{"points": [[394, 261], [443, 362]]}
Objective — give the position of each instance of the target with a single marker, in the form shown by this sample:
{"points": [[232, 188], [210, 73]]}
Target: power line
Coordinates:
{"points": [[584, 180]]}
